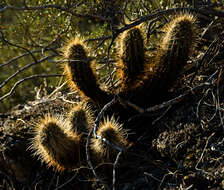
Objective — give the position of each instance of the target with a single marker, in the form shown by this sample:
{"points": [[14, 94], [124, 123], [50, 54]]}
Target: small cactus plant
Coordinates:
{"points": [[143, 80], [139, 75]]}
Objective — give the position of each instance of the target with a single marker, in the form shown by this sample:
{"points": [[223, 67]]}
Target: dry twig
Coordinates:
{"points": [[114, 170], [25, 79]]}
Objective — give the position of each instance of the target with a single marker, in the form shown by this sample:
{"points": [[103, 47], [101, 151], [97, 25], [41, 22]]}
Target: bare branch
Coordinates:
{"points": [[89, 160], [114, 170], [210, 54], [153, 16], [24, 68], [202, 154], [156, 179], [3, 38], [28, 78], [32, 8], [67, 182], [179, 98], [50, 6], [20, 56], [93, 131]]}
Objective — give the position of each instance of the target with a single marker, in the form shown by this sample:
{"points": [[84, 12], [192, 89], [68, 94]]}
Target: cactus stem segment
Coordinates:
{"points": [[55, 145], [80, 72]]}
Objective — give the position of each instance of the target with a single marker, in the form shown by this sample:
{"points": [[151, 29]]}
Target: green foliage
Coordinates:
{"points": [[32, 30], [44, 26]]}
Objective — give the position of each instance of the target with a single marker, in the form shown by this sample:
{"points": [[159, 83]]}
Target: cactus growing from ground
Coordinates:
{"points": [[143, 81], [139, 75], [55, 145]]}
